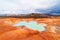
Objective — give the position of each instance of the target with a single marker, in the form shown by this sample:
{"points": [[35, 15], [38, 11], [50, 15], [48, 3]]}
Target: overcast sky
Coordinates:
{"points": [[29, 6]]}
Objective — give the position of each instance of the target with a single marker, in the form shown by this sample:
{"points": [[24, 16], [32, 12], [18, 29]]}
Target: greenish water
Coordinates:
{"points": [[32, 25]]}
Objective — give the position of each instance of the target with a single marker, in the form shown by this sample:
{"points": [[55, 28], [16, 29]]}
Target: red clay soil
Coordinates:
{"points": [[5, 28], [12, 33], [23, 34]]}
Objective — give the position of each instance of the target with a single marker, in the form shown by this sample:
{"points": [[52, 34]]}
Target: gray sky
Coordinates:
{"points": [[26, 6]]}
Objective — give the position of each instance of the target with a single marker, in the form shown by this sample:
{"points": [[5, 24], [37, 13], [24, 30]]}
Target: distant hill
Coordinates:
{"points": [[32, 15]]}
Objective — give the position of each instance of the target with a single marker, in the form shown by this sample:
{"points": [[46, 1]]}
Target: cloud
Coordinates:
{"points": [[26, 6]]}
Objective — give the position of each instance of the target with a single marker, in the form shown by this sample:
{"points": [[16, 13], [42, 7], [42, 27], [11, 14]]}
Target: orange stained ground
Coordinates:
{"points": [[9, 32], [25, 35]]}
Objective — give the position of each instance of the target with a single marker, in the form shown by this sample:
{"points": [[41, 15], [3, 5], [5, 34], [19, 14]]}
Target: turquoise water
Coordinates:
{"points": [[32, 25], [21, 24]]}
